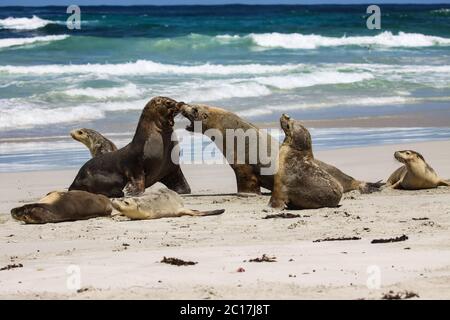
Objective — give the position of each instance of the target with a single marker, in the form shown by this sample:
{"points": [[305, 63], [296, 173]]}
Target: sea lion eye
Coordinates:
{"points": [[127, 203], [80, 132]]}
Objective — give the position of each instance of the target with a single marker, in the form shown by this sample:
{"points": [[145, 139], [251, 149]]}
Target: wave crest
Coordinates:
{"points": [[24, 23], [313, 41], [14, 42], [142, 67]]}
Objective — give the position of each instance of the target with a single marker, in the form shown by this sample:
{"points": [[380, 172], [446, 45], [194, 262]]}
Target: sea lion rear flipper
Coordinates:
{"points": [[369, 187], [445, 183], [206, 213], [177, 182]]}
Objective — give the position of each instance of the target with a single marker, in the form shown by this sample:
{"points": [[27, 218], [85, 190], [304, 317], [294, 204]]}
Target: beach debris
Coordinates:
{"points": [[283, 215], [240, 269], [391, 295], [397, 239], [264, 258], [420, 219], [11, 266], [84, 289], [178, 262], [338, 239]]}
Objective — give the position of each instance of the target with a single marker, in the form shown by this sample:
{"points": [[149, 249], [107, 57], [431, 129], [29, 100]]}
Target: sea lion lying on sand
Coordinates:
{"points": [[249, 177], [415, 174], [163, 203], [64, 206], [94, 141], [300, 183], [147, 159]]}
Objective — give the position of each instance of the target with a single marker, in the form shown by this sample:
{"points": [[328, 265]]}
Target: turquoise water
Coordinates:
{"points": [[313, 62]]}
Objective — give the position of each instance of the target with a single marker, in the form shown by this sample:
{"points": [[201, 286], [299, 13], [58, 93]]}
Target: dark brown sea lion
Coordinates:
{"points": [[147, 159], [64, 206], [94, 141], [248, 176], [300, 183], [415, 174]]}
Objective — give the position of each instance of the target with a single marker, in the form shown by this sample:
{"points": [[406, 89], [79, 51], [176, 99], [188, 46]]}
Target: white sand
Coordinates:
{"points": [[220, 244]]}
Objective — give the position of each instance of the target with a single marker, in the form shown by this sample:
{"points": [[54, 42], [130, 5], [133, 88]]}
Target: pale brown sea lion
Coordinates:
{"points": [[64, 206], [300, 183], [162, 203], [147, 159], [94, 141], [248, 176], [415, 174]]}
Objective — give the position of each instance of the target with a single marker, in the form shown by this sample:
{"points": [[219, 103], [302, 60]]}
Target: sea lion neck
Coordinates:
{"points": [[150, 123]]}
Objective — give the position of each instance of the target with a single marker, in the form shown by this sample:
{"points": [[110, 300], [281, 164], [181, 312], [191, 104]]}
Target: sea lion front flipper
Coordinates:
{"points": [[177, 182], [135, 187]]}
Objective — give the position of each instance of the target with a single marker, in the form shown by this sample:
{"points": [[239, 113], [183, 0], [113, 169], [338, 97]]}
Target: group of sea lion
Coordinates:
{"points": [[301, 181]]}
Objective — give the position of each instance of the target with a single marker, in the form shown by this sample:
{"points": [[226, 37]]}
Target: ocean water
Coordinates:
{"points": [[313, 62]]}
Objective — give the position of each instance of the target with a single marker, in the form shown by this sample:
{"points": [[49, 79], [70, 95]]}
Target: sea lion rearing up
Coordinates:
{"points": [[300, 183], [163, 203], [64, 206], [147, 159], [94, 141], [248, 176], [415, 174]]}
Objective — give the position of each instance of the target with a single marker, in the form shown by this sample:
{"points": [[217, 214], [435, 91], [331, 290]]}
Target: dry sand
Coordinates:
{"points": [[121, 259]]}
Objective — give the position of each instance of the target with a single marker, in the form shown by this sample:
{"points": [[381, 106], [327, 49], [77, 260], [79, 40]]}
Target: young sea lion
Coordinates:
{"points": [[147, 159], [415, 174], [64, 206], [249, 177], [163, 203], [300, 183], [94, 141]]}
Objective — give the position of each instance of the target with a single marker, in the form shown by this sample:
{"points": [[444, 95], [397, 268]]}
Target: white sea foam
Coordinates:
{"points": [[129, 90], [363, 102], [313, 79], [24, 23], [13, 42], [223, 90], [143, 67], [313, 41], [27, 116]]}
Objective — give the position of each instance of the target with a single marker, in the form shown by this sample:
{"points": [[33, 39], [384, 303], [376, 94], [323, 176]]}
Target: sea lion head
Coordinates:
{"points": [[408, 156], [31, 214], [163, 110], [130, 208], [296, 135], [125, 205], [82, 135], [194, 113]]}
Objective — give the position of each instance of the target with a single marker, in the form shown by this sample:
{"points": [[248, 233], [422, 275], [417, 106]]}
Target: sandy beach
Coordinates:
{"points": [[119, 259]]}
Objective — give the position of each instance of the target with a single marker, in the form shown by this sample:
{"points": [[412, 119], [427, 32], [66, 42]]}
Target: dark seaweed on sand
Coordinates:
{"points": [[177, 262]]}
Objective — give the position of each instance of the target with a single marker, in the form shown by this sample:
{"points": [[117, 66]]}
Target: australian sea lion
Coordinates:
{"points": [[415, 174], [94, 141], [248, 176], [300, 183], [64, 206], [163, 203], [147, 159]]}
